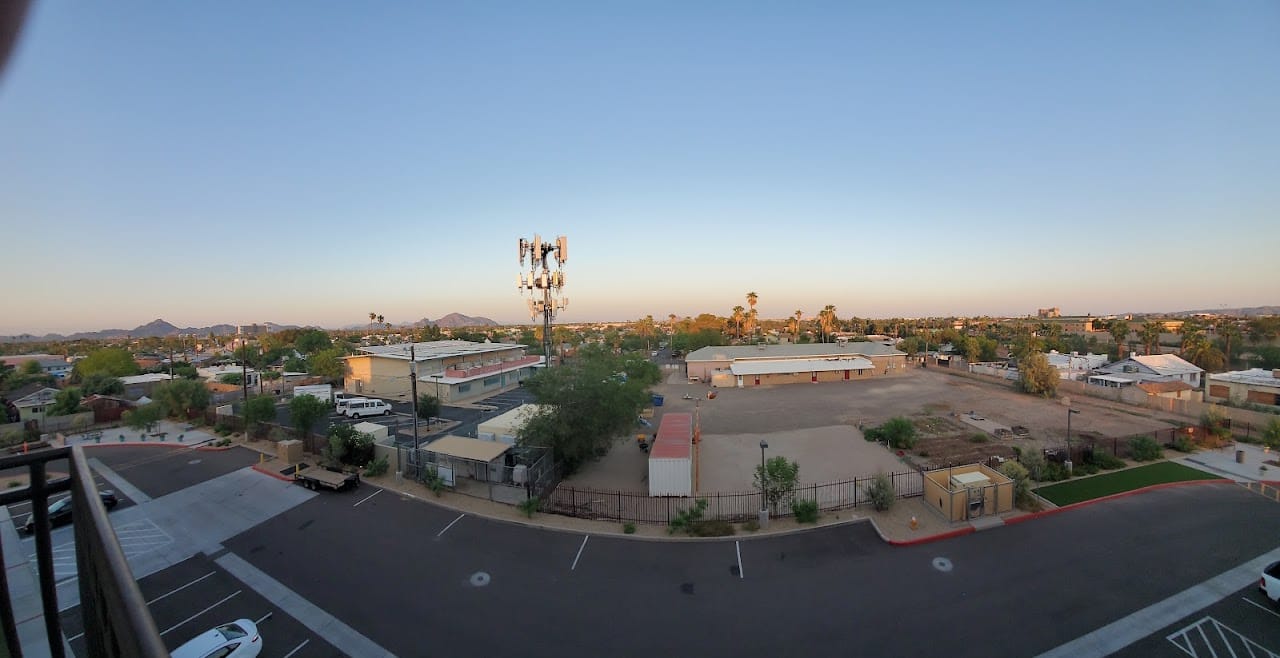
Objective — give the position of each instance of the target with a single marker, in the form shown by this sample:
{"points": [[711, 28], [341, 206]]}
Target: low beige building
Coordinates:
{"points": [[761, 365], [964, 493], [451, 370], [1256, 385]]}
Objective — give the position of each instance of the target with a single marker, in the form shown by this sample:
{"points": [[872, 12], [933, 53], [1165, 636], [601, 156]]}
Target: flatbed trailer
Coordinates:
{"points": [[317, 477]]}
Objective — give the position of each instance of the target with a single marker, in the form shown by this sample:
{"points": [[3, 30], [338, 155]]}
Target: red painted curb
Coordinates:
{"points": [[1122, 494], [278, 476], [213, 448], [1271, 483], [938, 537], [135, 444]]}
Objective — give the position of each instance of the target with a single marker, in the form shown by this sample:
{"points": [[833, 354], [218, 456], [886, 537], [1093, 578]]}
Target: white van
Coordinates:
{"points": [[340, 400], [364, 407]]}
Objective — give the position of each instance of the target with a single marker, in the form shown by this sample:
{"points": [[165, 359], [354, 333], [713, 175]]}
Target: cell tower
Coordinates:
{"points": [[543, 278]]}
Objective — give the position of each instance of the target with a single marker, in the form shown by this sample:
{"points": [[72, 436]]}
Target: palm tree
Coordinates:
{"points": [[796, 330], [1226, 327], [752, 298], [1198, 349], [372, 316], [381, 319], [827, 320], [646, 328], [738, 316], [1119, 331], [1150, 334]]}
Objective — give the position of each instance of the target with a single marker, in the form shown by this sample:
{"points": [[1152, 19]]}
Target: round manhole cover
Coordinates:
{"points": [[942, 564], [194, 462], [479, 579]]}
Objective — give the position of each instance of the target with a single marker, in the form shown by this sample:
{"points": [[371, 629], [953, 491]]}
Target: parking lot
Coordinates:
{"points": [[197, 595]]}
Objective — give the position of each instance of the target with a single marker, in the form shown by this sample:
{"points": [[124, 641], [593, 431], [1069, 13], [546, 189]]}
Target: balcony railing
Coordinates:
{"points": [[116, 619]]}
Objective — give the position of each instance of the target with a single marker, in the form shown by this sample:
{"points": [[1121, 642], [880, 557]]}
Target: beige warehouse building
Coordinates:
{"points": [[452, 370], [762, 365]]}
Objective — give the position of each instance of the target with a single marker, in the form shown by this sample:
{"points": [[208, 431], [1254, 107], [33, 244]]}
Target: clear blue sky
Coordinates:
{"points": [[310, 162]]}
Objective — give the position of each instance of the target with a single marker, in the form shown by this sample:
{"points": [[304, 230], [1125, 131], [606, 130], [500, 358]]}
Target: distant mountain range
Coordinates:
{"points": [[450, 321], [154, 329], [1249, 312]]}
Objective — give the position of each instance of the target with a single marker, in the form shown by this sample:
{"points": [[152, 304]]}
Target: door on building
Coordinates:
{"points": [[846, 375], [813, 377]]}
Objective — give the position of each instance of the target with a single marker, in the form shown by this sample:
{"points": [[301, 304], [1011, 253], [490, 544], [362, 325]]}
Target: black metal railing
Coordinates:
{"points": [[116, 618]]}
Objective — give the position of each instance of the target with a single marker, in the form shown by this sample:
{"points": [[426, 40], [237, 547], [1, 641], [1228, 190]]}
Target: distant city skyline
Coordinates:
{"points": [[932, 160]]}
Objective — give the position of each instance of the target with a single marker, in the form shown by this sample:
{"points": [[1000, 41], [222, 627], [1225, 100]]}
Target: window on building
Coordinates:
{"points": [[491, 381], [463, 388]]}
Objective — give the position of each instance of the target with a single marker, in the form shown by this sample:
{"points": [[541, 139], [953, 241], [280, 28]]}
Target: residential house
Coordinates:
{"points": [[1150, 369], [136, 386], [51, 364], [1075, 366], [1255, 385], [34, 405]]}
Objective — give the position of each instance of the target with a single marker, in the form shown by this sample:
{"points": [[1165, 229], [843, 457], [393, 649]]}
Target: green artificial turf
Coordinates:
{"points": [[1097, 486]]}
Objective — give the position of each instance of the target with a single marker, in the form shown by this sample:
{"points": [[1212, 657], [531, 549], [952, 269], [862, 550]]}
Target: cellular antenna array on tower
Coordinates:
{"points": [[545, 281]]}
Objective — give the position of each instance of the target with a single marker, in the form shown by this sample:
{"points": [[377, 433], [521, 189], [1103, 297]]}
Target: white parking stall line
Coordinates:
{"points": [[737, 546], [75, 637], [1260, 606], [368, 497], [179, 624], [297, 648], [175, 591], [446, 528], [579, 555]]}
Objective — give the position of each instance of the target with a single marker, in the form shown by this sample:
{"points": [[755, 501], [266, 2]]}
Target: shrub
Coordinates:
{"points": [[431, 478], [1034, 463], [1021, 484], [1182, 443], [900, 432], [923, 453], [1054, 472], [881, 493], [751, 525], [528, 506], [629, 528], [979, 438], [805, 511], [1084, 468], [1271, 435], [1145, 449], [376, 467], [1104, 460], [688, 519], [13, 484], [874, 434]]}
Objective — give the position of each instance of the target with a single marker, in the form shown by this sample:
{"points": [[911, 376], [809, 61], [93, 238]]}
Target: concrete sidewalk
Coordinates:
{"points": [[1224, 462]]}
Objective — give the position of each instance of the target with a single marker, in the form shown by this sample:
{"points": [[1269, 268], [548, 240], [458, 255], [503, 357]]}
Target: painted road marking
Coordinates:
{"points": [[1210, 637], [1259, 606], [179, 624], [579, 555], [446, 528], [175, 591], [737, 546], [297, 648], [368, 497]]}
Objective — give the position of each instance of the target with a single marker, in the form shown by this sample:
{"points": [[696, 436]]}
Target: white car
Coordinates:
{"points": [[237, 639], [1270, 583]]}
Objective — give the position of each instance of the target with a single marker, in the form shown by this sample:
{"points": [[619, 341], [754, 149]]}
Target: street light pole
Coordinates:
{"points": [[1070, 412], [413, 376], [764, 503]]}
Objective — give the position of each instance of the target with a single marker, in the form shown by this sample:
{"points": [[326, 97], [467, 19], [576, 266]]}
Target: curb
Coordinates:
{"points": [[1122, 494], [958, 532], [270, 473]]}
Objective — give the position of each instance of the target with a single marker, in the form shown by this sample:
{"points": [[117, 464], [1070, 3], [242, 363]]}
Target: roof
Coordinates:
{"points": [[675, 437], [1251, 377], [1156, 388], [462, 447], [1167, 364], [802, 351], [42, 396], [1112, 378], [45, 360], [776, 366], [365, 427], [511, 420], [133, 380], [436, 349]]}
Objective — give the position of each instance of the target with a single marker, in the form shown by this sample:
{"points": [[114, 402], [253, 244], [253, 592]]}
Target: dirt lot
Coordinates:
{"points": [[817, 425]]}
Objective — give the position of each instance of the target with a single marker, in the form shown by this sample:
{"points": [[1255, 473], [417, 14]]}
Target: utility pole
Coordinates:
{"points": [[543, 278]]}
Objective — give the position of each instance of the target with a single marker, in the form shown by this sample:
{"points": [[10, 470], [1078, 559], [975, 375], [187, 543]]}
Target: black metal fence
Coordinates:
{"points": [[630, 506], [116, 619]]}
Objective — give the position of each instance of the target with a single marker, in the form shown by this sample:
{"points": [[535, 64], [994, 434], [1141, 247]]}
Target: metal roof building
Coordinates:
{"points": [[759, 365]]}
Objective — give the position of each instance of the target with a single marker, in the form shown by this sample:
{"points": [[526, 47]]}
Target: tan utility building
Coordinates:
{"points": [[1256, 385], [451, 370], [745, 366], [968, 492]]}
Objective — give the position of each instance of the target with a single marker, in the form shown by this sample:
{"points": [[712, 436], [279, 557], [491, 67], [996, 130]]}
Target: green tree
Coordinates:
{"points": [[1119, 333], [1271, 435], [1150, 334], [181, 397], [66, 402], [30, 368], [144, 417], [233, 378], [328, 363], [428, 406], [795, 326], [310, 341], [304, 412], [647, 329], [101, 384], [185, 371], [1037, 377], [1198, 349], [827, 320], [586, 405], [112, 361], [1227, 330], [739, 316], [258, 410], [776, 479]]}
